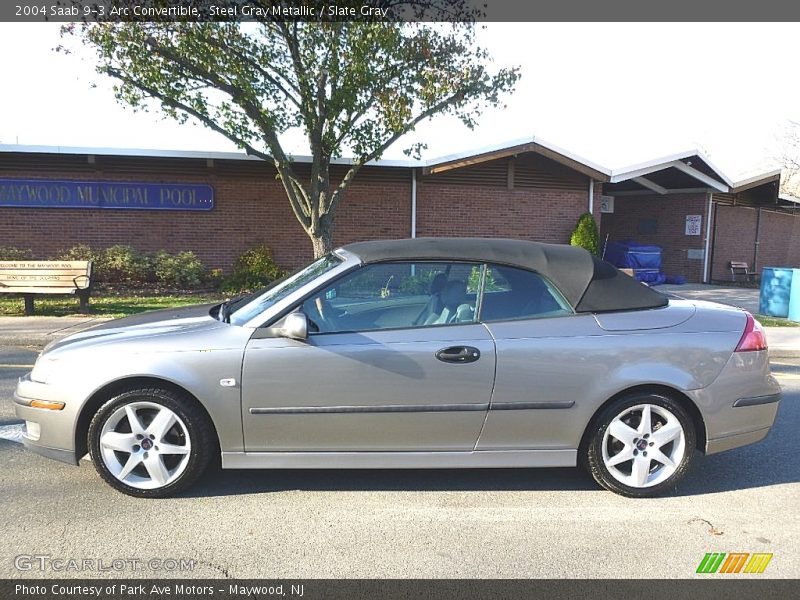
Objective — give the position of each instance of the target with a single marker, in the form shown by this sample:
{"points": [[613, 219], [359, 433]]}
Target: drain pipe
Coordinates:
{"points": [[707, 249], [591, 196], [758, 238], [413, 202]]}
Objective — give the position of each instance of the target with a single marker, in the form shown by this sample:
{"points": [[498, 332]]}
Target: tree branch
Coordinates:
{"points": [[361, 161], [263, 72], [203, 118]]}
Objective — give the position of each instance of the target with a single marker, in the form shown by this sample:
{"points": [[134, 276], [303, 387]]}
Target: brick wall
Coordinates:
{"points": [[735, 237], [251, 208], [669, 213], [541, 201], [779, 240], [482, 211]]}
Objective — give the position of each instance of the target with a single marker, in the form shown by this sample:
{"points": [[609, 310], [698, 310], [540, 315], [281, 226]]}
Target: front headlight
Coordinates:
{"points": [[46, 369]]}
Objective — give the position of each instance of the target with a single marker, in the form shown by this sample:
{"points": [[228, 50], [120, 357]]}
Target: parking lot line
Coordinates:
{"points": [[11, 366]]}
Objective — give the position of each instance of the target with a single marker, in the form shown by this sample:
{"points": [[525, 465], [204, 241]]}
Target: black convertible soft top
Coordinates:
{"points": [[588, 283]]}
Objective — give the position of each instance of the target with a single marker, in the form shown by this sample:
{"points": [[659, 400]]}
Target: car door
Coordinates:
{"points": [[547, 360], [394, 361]]}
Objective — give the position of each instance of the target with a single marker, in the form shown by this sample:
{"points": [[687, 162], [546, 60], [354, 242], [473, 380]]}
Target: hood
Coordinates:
{"points": [[179, 320]]}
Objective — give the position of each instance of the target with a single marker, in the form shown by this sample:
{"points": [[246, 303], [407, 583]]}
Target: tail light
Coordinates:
{"points": [[753, 337]]}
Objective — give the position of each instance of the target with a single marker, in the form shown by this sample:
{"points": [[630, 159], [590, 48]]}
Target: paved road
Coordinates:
{"points": [[476, 523]]}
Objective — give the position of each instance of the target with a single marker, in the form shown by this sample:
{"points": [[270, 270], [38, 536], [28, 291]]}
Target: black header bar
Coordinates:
{"points": [[399, 10]]}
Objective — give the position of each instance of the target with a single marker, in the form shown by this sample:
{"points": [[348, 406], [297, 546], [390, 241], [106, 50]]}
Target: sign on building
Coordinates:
{"points": [[694, 224], [606, 204], [50, 193]]}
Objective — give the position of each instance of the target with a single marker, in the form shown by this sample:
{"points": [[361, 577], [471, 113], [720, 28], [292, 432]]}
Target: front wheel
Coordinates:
{"points": [[641, 445], [150, 442]]}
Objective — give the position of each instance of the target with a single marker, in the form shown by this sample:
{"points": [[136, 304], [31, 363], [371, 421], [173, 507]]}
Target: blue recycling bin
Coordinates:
{"points": [[794, 297], [776, 291]]}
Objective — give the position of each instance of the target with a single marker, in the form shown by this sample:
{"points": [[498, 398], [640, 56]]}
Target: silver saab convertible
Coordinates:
{"points": [[423, 353]]}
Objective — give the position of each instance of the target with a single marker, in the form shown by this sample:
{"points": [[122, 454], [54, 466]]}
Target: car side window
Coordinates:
{"points": [[395, 295], [512, 293]]}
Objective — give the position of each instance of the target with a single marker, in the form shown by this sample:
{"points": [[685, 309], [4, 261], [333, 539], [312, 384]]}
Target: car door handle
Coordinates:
{"points": [[458, 354]]}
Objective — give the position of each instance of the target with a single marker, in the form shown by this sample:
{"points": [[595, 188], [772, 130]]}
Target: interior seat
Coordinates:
{"points": [[434, 306], [455, 309]]}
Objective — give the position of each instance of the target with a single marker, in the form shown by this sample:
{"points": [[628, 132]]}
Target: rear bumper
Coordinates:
{"points": [[735, 441], [740, 406]]}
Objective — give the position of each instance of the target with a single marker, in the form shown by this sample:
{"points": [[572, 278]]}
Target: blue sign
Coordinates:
{"points": [[49, 193]]}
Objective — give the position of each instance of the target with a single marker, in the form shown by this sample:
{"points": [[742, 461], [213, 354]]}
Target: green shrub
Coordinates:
{"points": [[419, 284], [123, 264], [252, 270], [11, 253], [82, 252], [585, 234], [474, 281], [183, 270]]}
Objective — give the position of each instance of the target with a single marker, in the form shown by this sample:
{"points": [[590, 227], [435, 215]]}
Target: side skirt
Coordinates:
{"points": [[481, 459]]}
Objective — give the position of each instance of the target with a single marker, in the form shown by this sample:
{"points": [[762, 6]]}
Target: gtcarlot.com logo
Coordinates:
{"points": [[734, 562], [45, 562]]}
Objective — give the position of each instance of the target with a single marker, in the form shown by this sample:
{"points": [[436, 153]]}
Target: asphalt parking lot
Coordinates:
{"points": [[455, 524]]}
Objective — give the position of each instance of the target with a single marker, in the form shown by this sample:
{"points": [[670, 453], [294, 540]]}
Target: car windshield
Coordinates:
{"points": [[244, 312]]}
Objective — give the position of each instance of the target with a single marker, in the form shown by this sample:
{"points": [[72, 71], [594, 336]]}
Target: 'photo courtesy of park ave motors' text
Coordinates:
{"points": [[381, 299]]}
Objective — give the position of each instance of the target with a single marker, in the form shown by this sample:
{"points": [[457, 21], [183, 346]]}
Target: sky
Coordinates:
{"points": [[616, 94]]}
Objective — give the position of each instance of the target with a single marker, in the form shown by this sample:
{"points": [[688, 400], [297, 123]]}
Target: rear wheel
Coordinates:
{"points": [[150, 442], [641, 445]]}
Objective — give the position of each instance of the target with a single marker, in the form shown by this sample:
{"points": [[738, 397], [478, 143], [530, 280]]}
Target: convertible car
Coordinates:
{"points": [[421, 353]]}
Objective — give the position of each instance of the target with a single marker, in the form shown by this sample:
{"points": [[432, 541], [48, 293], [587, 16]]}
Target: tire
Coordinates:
{"points": [[624, 456], [162, 451]]}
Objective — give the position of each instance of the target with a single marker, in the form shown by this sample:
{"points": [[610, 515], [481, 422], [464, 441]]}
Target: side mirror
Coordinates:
{"points": [[295, 326]]}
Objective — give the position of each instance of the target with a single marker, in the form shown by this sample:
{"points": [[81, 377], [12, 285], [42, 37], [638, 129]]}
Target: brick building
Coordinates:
{"points": [[530, 190]]}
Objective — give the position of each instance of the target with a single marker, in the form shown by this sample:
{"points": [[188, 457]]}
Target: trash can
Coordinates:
{"points": [[776, 291], [794, 297]]}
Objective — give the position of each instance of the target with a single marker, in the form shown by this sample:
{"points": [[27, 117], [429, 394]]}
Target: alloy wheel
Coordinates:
{"points": [[643, 445], [145, 445]]}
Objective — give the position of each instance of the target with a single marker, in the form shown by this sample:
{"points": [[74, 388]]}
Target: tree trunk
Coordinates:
{"points": [[322, 241]]}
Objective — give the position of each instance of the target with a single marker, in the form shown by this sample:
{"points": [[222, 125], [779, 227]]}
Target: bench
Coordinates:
{"points": [[34, 277], [742, 268]]}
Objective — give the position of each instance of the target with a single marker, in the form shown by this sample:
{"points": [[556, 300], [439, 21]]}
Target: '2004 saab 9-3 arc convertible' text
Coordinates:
{"points": [[422, 353]]}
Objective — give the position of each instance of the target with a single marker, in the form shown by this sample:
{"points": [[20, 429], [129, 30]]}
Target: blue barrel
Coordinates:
{"points": [[794, 296], [776, 290]]}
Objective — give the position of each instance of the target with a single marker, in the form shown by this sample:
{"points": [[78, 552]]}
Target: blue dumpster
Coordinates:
{"points": [[776, 291]]}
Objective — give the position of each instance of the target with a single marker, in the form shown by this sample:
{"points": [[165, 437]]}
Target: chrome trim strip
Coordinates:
{"points": [[757, 400], [401, 460], [397, 408], [387, 408], [531, 405]]}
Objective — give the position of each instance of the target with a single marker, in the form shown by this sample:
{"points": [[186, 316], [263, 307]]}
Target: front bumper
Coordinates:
{"points": [[50, 433]]}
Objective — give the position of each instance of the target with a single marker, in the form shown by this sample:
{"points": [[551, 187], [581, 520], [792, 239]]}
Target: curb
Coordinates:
{"points": [[38, 335], [787, 353]]}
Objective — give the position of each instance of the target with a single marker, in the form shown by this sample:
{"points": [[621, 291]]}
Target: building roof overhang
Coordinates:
{"points": [[521, 146], [682, 172]]}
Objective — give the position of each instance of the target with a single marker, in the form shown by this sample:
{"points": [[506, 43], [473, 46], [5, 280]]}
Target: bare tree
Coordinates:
{"points": [[790, 157]]}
